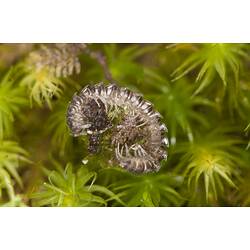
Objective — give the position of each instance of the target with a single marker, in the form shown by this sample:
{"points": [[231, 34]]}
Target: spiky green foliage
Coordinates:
{"points": [[57, 127], [205, 104], [42, 86], [12, 99], [211, 162], [45, 67], [69, 188], [124, 63], [179, 108], [11, 155], [149, 191], [215, 59]]}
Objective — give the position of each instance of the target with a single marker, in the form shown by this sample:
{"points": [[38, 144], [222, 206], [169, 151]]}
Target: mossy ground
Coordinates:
{"points": [[201, 90]]}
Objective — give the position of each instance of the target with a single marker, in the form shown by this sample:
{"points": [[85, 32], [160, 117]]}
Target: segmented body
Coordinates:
{"points": [[137, 134]]}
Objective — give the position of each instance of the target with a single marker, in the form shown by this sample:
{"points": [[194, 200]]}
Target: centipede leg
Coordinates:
{"points": [[142, 124], [96, 100], [127, 150]]}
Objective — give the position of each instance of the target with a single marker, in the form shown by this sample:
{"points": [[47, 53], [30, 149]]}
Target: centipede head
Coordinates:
{"points": [[87, 115]]}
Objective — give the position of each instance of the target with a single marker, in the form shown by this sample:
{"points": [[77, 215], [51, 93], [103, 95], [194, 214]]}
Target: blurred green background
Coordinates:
{"points": [[201, 90]]}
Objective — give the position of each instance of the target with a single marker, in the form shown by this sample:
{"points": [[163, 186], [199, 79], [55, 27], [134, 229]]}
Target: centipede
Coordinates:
{"points": [[137, 135]]}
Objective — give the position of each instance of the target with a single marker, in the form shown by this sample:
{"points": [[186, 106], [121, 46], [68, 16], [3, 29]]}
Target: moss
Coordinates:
{"points": [[201, 90]]}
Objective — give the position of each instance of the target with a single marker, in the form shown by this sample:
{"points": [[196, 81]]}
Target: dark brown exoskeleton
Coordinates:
{"points": [[88, 116], [94, 143]]}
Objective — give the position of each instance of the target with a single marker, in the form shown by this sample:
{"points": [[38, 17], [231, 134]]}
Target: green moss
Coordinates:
{"points": [[201, 90]]}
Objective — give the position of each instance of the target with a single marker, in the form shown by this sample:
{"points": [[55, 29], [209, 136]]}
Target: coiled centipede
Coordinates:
{"points": [[137, 135]]}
